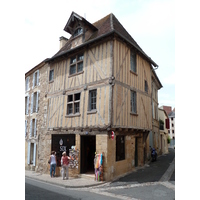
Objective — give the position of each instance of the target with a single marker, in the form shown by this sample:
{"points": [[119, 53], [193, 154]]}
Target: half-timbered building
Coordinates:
{"points": [[99, 86]]}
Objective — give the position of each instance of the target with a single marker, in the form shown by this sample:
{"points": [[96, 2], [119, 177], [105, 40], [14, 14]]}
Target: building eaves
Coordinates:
{"points": [[38, 66], [164, 112]]}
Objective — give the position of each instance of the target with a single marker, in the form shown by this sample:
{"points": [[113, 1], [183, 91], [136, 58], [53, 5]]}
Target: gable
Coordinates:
{"points": [[94, 32], [76, 21]]}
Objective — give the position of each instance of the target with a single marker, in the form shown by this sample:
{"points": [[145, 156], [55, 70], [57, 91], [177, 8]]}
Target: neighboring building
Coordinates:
{"points": [[35, 112], [98, 82], [171, 130], [163, 145], [154, 135], [172, 124], [167, 109]]}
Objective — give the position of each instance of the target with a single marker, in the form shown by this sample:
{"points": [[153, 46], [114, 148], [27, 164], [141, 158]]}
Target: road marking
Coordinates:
{"points": [[166, 176], [168, 185], [113, 195]]}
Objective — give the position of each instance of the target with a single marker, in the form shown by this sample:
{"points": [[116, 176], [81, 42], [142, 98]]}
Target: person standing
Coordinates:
{"points": [[53, 163], [65, 163]]}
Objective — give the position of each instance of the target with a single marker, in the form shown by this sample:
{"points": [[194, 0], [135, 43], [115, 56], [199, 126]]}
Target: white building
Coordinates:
{"points": [[171, 131]]}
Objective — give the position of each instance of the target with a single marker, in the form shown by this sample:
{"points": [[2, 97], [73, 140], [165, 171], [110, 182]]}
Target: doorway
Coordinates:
{"points": [[88, 149], [136, 152]]}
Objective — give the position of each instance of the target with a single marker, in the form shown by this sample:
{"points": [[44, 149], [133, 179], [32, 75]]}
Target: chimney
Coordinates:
{"points": [[63, 41]]}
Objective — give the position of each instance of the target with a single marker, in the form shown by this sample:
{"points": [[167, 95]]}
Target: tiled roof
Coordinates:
{"points": [[107, 25]]}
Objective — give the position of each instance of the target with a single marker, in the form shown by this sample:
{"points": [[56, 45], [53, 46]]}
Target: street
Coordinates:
{"points": [[153, 181]]}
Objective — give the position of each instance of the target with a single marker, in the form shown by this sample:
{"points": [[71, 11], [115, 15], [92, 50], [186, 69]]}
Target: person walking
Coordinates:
{"points": [[53, 163], [65, 163]]}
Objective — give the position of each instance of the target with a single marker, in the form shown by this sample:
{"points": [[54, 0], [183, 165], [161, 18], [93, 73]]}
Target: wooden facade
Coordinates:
{"points": [[107, 69], [97, 66], [125, 81]]}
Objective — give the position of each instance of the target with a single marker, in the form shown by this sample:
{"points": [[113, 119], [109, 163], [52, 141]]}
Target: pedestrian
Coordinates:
{"points": [[53, 163], [65, 163]]}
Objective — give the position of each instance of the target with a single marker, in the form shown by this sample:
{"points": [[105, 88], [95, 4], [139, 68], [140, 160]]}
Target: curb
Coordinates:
{"points": [[66, 186]]}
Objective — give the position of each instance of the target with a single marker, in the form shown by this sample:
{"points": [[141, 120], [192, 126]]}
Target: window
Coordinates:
{"points": [[172, 118], [73, 103], [33, 128], [92, 99], [27, 84], [36, 78], [172, 125], [76, 64], [51, 75], [168, 131], [34, 102], [78, 31], [146, 86], [26, 105], [133, 102], [25, 128], [173, 131], [133, 61], [31, 153], [120, 147]]}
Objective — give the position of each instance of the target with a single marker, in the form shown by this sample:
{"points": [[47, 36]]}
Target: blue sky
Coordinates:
{"points": [[39, 25]]}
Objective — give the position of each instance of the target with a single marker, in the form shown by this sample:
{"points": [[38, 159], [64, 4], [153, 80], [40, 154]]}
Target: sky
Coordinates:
{"points": [[34, 29]]}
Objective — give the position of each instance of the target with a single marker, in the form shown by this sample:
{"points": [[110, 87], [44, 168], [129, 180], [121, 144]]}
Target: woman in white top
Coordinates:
{"points": [[53, 163]]}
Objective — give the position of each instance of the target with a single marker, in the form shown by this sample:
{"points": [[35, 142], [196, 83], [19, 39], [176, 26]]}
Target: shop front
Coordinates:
{"points": [[61, 143]]}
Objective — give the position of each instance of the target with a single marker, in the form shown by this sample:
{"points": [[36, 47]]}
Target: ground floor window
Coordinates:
{"points": [[61, 143], [120, 147], [31, 153]]}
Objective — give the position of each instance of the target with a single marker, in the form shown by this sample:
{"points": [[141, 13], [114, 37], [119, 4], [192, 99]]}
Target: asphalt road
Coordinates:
{"points": [[37, 190], [152, 173], [143, 184]]}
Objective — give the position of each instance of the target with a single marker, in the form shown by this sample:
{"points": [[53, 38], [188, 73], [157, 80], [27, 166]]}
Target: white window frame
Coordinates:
{"points": [[34, 104], [35, 78], [27, 84], [29, 154], [27, 105]]}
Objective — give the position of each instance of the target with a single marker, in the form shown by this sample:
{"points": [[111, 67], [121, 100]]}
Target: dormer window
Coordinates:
{"points": [[78, 31]]}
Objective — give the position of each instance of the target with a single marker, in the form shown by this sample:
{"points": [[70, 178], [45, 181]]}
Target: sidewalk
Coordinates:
{"points": [[70, 183]]}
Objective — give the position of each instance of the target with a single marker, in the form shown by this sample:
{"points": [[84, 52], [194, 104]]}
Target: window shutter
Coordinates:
{"points": [[25, 127], [167, 123], [29, 152], [37, 99], [35, 128], [33, 80], [38, 77], [28, 83], [27, 105], [90, 101], [32, 103], [34, 154], [30, 134]]}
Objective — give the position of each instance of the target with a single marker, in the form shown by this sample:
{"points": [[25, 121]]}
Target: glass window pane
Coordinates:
{"points": [[80, 57], [73, 60], [69, 109], [73, 69], [133, 61], [77, 96], [80, 67], [76, 107], [70, 98]]}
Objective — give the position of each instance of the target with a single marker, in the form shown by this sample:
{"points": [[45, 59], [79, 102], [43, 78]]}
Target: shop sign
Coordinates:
{"points": [[62, 148], [112, 135]]}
